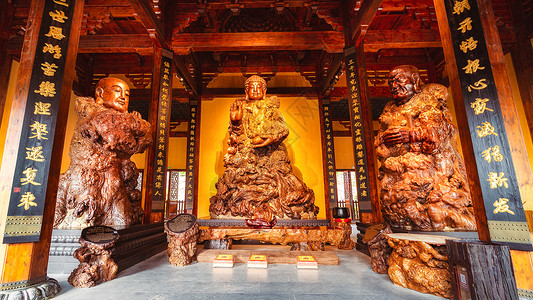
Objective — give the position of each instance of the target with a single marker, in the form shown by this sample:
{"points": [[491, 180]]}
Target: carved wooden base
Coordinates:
{"points": [[310, 238], [96, 265], [420, 265], [376, 239], [347, 243], [182, 246], [45, 289]]}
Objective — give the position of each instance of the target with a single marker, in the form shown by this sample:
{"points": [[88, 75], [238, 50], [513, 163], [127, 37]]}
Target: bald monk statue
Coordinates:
{"points": [[258, 182], [99, 187], [422, 176]]}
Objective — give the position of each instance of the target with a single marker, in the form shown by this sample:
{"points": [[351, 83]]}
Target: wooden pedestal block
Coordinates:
{"points": [[376, 239], [182, 234], [347, 243], [96, 265], [419, 262]]}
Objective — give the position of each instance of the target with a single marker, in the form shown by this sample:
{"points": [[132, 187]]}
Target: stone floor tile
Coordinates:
{"points": [[156, 279]]}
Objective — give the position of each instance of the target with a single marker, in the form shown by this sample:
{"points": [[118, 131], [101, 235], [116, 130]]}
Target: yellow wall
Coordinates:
{"points": [[344, 155], [303, 145], [177, 153], [7, 106], [71, 123]]}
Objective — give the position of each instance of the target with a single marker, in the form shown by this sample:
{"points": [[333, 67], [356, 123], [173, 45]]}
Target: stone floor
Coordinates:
{"points": [[156, 279]]}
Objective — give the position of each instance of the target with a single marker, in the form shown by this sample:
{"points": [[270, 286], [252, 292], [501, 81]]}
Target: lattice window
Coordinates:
{"points": [[176, 181], [347, 192]]}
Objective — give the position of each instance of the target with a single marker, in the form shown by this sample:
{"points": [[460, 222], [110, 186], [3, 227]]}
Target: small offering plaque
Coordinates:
{"points": [[181, 223], [99, 234]]}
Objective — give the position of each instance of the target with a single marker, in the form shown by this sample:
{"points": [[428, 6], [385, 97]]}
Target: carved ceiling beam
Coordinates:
{"points": [[146, 15], [116, 43], [143, 45], [355, 26], [387, 39], [189, 81], [224, 4], [331, 78], [329, 41], [168, 20]]}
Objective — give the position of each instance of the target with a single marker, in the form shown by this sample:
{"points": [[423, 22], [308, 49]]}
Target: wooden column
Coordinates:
{"points": [[193, 136], [355, 28], [5, 68], [159, 118], [522, 55], [524, 178], [462, 121], [366, 112], [328, 155], [24, 264], [6, 18]]}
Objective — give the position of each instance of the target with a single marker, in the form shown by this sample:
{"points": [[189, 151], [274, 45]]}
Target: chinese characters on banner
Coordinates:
{"points": [[26, 204], [330, 156], [358, 133], [503, 205], [191, 158], [161, 140]]}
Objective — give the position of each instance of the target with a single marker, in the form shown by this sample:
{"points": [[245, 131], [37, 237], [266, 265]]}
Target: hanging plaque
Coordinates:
{"points": [[330, 156], [501, 195], [26, 203], [161, 140], [358, 132], [191, 157]]}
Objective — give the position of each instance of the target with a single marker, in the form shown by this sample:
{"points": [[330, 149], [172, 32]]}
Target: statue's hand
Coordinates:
{"points": [[261, 142], [136, 114], [395, 136], [235, 112]]}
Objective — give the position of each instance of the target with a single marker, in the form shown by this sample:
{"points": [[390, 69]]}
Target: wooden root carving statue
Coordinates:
{"points": [[99, 186], [258, 181], [422, 176]]}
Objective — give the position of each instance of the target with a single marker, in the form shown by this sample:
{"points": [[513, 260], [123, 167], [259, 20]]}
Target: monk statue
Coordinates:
{"points": [[422, 176], [99, 187], [258, 181]]}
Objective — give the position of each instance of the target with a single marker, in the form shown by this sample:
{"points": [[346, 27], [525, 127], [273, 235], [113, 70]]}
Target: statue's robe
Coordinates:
{"points": [[259, 182], [423, 182]]}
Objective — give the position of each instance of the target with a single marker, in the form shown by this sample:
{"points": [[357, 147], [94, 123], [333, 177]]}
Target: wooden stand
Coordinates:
{"points": [[419, 262], [182, 234], [96, 265], [300, 238], [347, 243], [376, 239]]}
